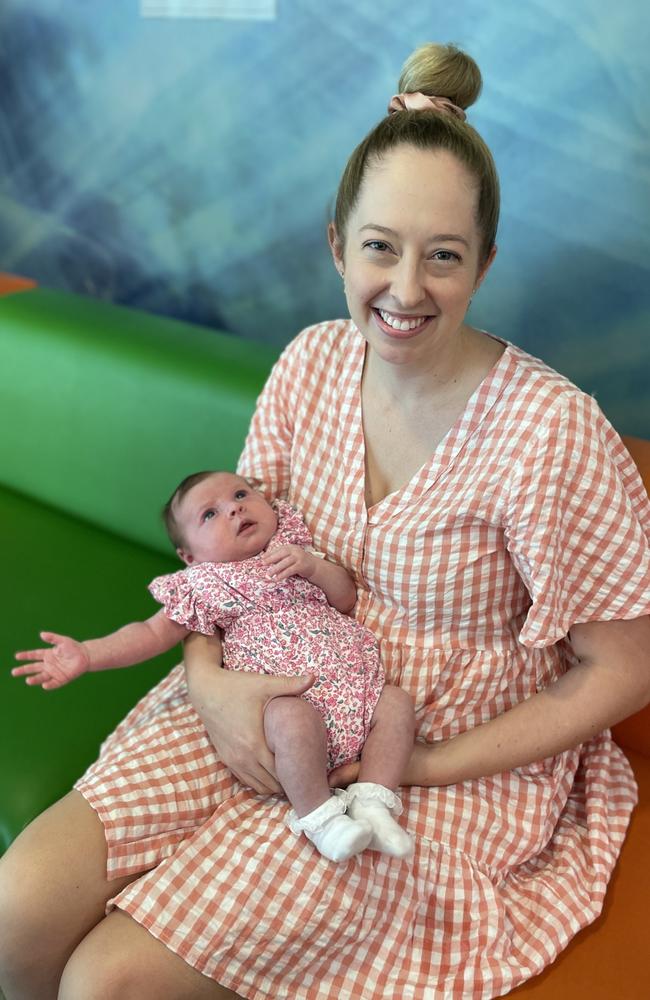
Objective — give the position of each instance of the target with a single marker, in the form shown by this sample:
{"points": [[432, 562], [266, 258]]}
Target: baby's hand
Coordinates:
{"points": [[289, 560], [52, 668]]}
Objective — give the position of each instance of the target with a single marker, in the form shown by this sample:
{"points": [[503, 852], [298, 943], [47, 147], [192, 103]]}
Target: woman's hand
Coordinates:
{"points": [[419, 770], [231, 705], [52, 668]]}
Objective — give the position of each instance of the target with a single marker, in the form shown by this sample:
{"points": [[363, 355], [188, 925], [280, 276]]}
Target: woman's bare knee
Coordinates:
{"points": [[53, 890], [120, 960]]}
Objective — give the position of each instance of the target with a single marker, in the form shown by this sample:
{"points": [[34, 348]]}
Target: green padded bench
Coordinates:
{"points": [[103, 410]]}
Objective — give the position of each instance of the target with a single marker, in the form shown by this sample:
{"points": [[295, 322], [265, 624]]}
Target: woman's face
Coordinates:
{"points": [[411, 254]]}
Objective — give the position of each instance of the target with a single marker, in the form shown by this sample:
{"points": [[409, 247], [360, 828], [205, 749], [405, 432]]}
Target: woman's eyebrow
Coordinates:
{"points": [[436, 238]]}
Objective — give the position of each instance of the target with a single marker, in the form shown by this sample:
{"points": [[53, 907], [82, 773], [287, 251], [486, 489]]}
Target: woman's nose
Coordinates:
{"points": [[407, 285]]}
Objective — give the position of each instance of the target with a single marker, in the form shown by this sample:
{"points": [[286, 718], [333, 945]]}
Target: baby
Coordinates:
{"points": [[250, 572]]}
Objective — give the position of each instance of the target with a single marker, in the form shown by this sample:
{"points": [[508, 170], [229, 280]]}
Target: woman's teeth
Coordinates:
{"points": [[402, 324]]}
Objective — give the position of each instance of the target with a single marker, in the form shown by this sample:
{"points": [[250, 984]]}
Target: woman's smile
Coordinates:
{"points": [[399, 325]]}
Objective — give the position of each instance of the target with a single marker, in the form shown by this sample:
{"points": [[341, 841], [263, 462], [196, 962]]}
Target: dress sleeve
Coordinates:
{"points": [[266, 458], [183, 603], [291, 529], [578, 524]]}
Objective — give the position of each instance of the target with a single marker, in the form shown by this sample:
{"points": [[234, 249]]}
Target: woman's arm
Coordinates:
{"points": [[68, 658], [231, 706], [611, 681]]}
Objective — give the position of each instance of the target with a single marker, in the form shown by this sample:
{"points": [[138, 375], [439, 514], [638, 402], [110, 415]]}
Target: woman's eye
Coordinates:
{"points": [[445, 255], [379, 245]]}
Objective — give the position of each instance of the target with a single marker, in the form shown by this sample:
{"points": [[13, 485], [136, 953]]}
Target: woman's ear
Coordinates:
{"points": [[484, 268], [336, 247], [185, 557]]}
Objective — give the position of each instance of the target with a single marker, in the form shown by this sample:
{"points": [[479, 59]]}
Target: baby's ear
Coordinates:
{"points": [[185, 557]]}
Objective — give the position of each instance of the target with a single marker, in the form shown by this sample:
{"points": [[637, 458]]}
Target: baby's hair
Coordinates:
{"points": [[173, 530]]}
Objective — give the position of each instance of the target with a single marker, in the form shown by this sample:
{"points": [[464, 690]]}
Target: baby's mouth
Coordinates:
{"points": [[244, 526]]}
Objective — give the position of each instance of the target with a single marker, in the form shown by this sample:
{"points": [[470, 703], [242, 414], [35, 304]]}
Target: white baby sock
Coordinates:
{"points": [[375, 803], [335, 835]]}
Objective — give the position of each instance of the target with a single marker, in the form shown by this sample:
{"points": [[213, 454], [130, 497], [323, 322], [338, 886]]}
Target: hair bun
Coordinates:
{"points": [[442, 71]]}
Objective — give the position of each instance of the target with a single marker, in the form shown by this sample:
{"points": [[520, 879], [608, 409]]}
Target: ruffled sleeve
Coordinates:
{"points": [[183, 602], [578, 524], [291, 529]]}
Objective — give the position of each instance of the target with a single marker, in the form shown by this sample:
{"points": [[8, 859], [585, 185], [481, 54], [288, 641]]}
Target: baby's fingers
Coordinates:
{"points": [[29, 668], [54, 637], [30, 654]]}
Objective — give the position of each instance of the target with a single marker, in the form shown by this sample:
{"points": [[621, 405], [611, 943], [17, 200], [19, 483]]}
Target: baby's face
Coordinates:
{"points": [[223, 520]]}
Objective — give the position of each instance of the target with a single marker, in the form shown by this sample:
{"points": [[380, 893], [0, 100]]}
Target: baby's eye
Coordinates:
{"points": [[208, 515], [240, 494]]}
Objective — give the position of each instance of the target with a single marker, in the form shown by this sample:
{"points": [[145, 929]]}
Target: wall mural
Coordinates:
{"points": [[187, 167]]}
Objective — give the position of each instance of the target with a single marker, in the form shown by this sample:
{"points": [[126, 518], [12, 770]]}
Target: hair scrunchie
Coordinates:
{"points": [[416, 101]]}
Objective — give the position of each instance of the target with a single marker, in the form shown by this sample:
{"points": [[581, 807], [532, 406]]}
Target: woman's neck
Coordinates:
{"points": [[442, 374]]}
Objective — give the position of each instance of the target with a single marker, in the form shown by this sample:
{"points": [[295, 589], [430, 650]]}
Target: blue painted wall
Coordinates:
{"points": [[188, 167]]}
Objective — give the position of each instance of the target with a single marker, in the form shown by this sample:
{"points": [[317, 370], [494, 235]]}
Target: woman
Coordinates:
{"points": [[497, 530]]}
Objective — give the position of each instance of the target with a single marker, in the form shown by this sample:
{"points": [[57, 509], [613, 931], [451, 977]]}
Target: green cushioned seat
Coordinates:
{"points": [[67, 575], [103, 410]]}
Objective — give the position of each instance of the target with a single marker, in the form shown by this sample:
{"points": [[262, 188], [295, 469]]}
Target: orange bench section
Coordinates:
{"points": [[609, 959], [10, 283]]}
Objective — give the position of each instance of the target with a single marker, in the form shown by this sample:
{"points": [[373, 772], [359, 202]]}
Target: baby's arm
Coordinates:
{"points": [[68, 659], [333, 580]]}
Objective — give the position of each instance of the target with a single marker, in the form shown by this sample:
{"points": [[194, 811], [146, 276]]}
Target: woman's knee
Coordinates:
{"points": [[93, 975], [21, 903], [53, 890], [120, 960]]}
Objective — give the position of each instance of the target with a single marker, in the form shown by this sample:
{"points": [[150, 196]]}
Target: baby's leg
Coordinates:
{"points": [[390, 742], [383, 762], [296, 734]]}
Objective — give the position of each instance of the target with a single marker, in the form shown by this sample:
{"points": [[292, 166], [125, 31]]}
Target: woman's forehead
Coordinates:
{"points": [[408, 184]]}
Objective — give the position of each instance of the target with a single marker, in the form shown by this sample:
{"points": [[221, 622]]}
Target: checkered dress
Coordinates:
{"points": [[529, 517]]}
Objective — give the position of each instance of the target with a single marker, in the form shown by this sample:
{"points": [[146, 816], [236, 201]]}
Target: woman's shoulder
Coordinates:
{"points": [[322, 344], [534, 387], [541, 407]]}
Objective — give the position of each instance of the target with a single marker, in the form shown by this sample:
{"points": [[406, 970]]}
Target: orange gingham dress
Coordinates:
{"points": [[530, 516]]}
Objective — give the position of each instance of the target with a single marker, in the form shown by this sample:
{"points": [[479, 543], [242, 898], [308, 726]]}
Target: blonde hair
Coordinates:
{"points": [[438, 71]]}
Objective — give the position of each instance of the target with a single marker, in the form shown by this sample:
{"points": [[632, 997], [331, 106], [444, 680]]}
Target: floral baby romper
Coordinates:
{"points": [[281, 628]]}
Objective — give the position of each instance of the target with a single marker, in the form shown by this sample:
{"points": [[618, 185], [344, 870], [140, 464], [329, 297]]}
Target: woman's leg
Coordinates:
{"points": [[390, 742], [120, 960], [53, 890]]}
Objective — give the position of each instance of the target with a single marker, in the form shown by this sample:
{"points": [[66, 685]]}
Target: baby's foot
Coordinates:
{"points": [[374, 804], [337, 837]]}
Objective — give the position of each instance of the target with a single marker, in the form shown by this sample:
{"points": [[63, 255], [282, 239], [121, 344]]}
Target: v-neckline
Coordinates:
{"points": [[443, 455]]}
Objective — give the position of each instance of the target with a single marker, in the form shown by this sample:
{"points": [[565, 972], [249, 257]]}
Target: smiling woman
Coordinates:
{"points": [[496, 530]]}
